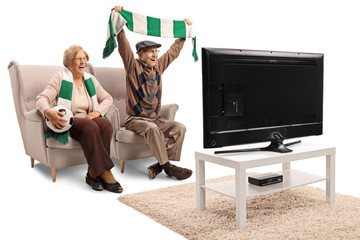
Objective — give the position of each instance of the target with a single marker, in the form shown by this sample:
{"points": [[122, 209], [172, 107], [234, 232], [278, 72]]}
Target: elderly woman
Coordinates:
{"points": [[89, 127]]}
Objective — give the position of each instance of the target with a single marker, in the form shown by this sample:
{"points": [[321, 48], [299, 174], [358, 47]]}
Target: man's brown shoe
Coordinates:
{"points": [[178, 172], [154, 170]]}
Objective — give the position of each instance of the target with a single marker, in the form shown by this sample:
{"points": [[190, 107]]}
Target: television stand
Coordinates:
{"points": [[276, 145], [240, 189]]}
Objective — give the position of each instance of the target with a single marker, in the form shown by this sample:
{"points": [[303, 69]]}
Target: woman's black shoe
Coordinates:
{"points": [[112, 187], [95, 184]]}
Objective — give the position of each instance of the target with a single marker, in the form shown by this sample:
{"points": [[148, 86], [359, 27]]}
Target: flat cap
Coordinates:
{"points": [[146, 44]]}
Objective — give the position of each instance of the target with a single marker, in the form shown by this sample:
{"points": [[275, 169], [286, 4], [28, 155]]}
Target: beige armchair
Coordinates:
{"points": [[29, 80]]}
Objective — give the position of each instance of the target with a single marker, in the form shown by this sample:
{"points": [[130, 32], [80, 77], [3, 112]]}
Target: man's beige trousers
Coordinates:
{"points": [[165, 137]]}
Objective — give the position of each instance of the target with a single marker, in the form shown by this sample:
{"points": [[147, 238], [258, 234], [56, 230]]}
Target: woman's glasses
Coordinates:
{"points": [[79, 59]]}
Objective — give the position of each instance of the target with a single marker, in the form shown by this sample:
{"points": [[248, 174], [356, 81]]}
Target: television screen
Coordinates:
{"points": [[255, 96]]}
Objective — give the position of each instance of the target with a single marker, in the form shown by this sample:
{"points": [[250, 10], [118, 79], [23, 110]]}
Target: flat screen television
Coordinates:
{"points": [[252, 96]]}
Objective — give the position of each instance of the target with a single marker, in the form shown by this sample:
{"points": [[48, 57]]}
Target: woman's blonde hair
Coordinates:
{"points": [[70, 53]]}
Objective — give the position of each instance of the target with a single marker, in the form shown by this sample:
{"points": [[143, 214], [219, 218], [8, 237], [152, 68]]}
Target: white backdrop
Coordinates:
{"points": [[38, 32]]}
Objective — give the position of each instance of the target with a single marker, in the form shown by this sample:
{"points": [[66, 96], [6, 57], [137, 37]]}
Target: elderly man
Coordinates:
{"points": [[144, 86]]}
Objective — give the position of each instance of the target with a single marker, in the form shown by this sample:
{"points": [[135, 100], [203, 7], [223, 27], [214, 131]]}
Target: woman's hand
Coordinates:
{"points": [[188, 21], [118, 8], [92, 115], [55, 117]]}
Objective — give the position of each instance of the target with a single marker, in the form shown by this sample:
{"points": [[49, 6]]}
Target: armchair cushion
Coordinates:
{"points": [[127, 136], [52, 143]]}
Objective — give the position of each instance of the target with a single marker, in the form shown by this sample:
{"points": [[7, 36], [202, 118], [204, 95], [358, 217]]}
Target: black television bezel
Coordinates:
{"points": [[276, 133]]}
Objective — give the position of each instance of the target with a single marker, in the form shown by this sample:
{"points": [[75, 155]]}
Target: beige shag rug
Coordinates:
{"points": [[301, 213]]}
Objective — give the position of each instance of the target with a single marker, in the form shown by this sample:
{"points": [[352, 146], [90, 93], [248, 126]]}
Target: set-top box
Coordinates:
{"points": [[265, 179]]}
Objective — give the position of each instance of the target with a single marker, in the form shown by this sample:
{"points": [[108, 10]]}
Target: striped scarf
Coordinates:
{"points": [[66, 89], [148, 26]]}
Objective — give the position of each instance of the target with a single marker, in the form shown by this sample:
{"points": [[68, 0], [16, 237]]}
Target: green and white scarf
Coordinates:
{"points": [[148, 26], [65, 97], [66, 89]]}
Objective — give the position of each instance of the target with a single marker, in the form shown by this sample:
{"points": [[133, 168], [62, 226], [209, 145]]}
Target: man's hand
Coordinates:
{"points": [[55, 117], [92, 115], [188, 21], [118, 8]]}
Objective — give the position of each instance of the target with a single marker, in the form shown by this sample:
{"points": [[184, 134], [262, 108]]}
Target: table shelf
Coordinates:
{"points": [[291, 179]]}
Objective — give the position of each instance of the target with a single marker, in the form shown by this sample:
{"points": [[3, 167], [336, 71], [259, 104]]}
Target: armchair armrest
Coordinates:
{"points": [[34, 116], [168, 111], [114, 116], [32, 126]]}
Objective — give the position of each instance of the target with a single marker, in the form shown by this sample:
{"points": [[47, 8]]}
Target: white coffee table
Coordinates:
{"points": [[240, 188]]}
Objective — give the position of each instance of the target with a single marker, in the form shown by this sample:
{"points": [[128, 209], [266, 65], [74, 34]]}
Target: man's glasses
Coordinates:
{"points": [[153, 51]]}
